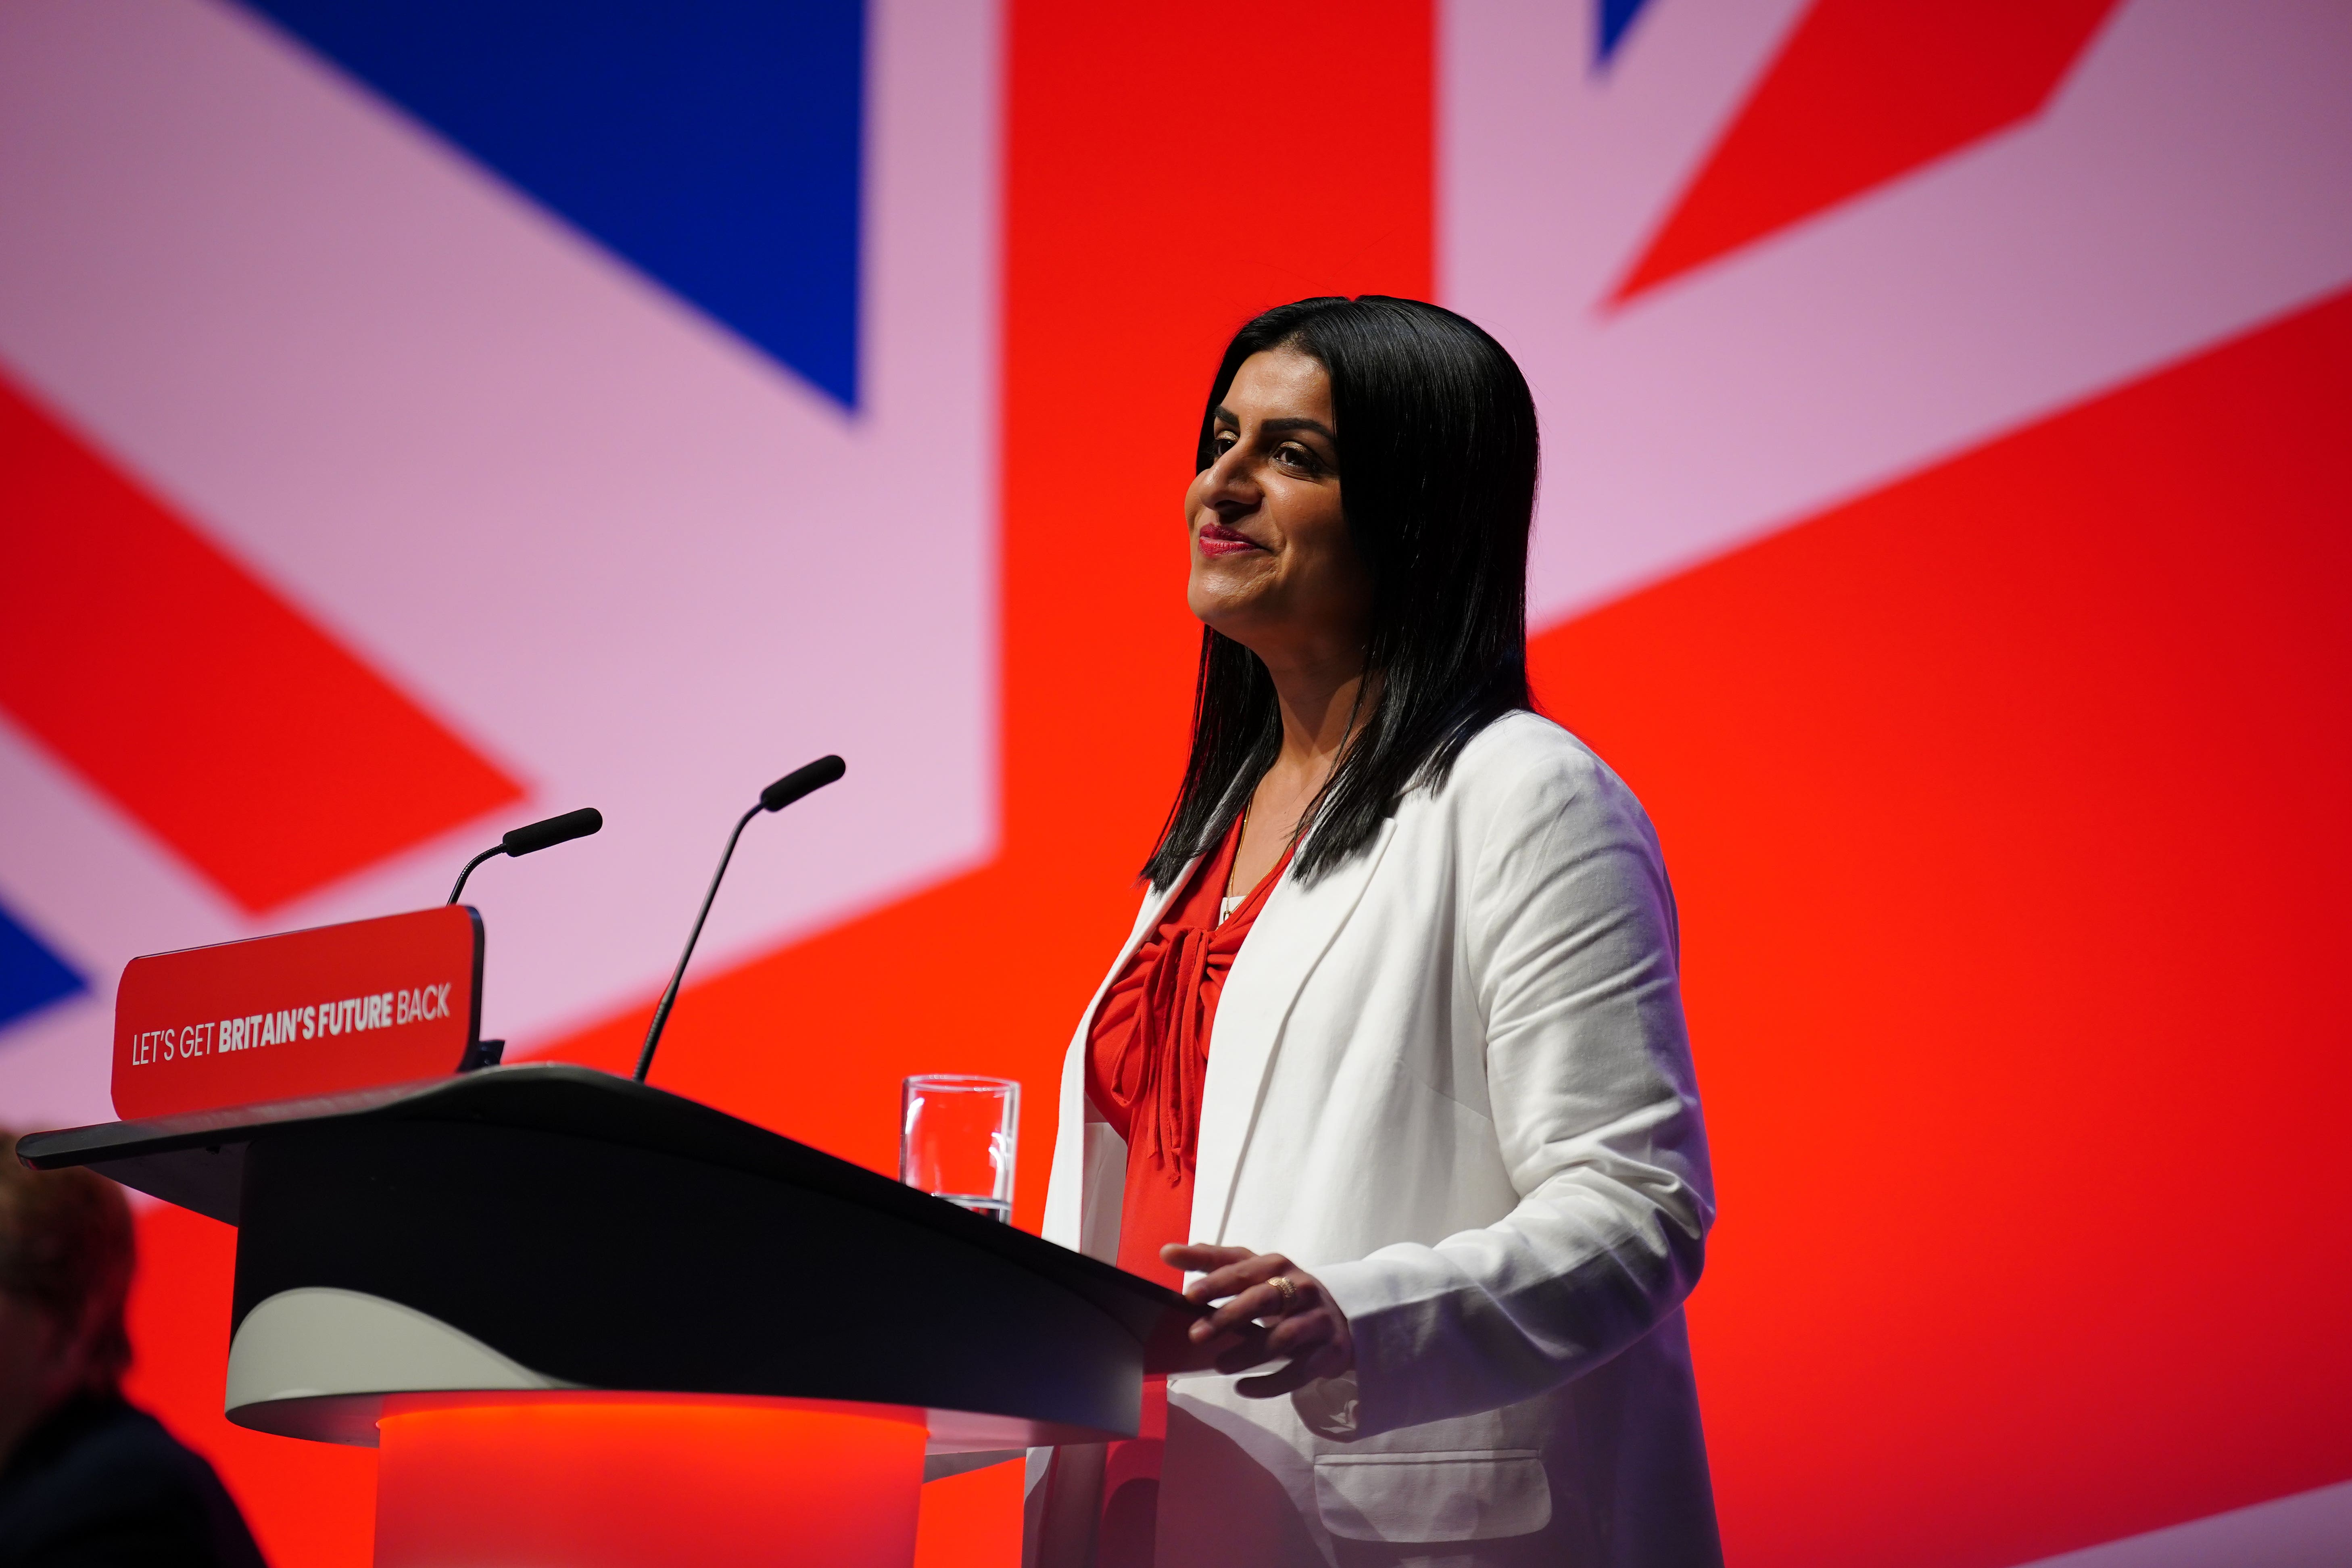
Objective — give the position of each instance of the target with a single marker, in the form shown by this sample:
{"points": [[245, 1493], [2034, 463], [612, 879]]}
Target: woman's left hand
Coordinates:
{"points": [[1306, 1324]]}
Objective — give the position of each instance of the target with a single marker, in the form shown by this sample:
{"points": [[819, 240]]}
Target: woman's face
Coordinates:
{"points": [[1273, 567]]}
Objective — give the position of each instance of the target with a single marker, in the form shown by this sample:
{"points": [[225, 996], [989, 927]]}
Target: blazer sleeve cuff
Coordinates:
{"points": [[1403, 1372]]}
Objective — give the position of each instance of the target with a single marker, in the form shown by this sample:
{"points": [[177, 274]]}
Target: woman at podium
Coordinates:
{"points": [[1393, 1062]]}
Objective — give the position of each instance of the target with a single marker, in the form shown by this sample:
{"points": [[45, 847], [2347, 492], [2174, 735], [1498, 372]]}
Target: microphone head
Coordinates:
{"points": [[554, 830], [802, 781]]}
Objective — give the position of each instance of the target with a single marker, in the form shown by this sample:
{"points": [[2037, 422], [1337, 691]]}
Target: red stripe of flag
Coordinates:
{"points": [[194, 697], [1864, 92]]}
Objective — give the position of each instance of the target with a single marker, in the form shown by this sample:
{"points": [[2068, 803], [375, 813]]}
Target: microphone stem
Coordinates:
{"points": [[670, 997], [493, 849]]}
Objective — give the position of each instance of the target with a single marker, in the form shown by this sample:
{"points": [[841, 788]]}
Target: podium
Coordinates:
{"points": [[589, 1322]]}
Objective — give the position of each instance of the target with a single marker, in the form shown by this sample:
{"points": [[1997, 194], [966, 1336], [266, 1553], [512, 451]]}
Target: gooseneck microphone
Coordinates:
{"points": [[800, 782], [532, 836]]}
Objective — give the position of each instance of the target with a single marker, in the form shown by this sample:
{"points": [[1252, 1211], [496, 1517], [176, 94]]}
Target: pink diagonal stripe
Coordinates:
{"points": [[193, 696]]}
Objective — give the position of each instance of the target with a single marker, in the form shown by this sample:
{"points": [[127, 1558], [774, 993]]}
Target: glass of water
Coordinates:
{"points": [[957, 1138]]}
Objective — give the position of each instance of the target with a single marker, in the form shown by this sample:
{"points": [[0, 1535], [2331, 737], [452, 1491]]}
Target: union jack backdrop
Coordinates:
{"points": [[419, 418]]}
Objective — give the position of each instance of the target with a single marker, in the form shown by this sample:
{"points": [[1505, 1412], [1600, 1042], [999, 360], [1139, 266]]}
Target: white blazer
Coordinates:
{"points": [[1450, 1078]]}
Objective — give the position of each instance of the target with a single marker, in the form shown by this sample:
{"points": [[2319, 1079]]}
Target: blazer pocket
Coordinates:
{"points": [[1477, 1495]]}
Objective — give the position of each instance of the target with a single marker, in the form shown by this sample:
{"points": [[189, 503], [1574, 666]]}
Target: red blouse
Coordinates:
{"points": [[1148, 1053], [1147, 1057]]}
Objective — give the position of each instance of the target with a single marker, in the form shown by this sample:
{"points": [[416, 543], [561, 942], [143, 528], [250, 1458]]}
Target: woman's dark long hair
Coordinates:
{"points": [[1437, 476]]}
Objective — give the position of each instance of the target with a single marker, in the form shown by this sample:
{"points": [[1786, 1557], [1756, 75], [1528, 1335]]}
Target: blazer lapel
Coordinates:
{"points": [[1293, 931], [1065, 1188]]}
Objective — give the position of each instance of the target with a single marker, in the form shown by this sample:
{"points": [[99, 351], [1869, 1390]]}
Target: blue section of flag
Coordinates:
{"points": [[31, 976], [1615, 18], [715, 145]]}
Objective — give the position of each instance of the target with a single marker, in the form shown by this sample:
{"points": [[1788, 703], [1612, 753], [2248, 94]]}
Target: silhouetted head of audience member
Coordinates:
{"points": [[87, 1478], [66, 1261]]}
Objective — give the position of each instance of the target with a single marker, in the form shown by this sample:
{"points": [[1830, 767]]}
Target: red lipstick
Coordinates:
{"points": [[1217, 539]]}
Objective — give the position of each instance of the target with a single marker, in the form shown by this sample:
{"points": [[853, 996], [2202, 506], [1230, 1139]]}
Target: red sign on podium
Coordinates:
{"points": [[311, 1012]]}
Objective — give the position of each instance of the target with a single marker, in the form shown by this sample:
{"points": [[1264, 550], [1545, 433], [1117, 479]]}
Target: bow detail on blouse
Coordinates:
{"points": [[1148, 1055], [1167, 1055]]}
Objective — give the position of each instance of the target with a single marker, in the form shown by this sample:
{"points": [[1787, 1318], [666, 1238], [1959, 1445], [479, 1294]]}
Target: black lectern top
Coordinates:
{"points": [[605, 1234]]}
